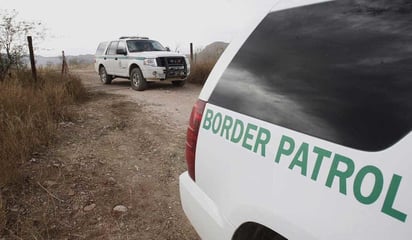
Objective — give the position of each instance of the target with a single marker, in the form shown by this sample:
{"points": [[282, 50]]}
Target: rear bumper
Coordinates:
{"points": [[202, 211]]}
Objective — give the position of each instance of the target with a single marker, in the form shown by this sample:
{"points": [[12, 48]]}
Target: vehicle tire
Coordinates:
{"points": [[179, 83], [106, 79], [137, 80]]}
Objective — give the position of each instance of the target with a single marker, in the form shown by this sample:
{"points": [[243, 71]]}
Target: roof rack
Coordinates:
{"points": [[133, 37]]}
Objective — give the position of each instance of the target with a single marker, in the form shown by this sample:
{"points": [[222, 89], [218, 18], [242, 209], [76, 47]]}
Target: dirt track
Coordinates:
{"points": [[123, 148]]}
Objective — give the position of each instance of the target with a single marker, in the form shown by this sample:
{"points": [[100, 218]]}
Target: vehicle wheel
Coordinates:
{"points": [[179, 83], [106, 79], [137, 80]]}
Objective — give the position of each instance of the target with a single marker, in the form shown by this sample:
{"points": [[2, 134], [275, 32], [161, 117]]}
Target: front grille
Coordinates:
{"points": [[174, 66], [170, 61]]}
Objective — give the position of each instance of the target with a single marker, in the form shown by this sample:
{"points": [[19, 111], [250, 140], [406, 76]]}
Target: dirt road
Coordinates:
{"points": [[113, 172]]}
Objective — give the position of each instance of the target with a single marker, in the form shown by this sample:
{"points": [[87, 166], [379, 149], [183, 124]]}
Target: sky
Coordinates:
{"points": [[77, 26]]}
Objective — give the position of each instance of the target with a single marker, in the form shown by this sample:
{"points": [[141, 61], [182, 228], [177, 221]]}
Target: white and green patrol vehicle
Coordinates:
{"points": [[141, 60], [303, 128]]}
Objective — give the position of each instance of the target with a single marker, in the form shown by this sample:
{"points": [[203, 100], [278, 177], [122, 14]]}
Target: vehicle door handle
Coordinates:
{"points": [[115, 58], [104, 58]]}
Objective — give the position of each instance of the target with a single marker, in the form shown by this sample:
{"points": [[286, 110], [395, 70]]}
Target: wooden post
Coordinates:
{"points": [[63, 62], [32, 62], [191, 52], [65, 68]]}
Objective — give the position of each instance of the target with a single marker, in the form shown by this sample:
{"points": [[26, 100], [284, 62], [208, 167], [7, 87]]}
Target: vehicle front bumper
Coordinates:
{"points": [[202, 211], [163, 73]]}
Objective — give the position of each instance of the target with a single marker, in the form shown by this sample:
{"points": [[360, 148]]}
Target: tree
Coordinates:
{"points": [[13, 44]]}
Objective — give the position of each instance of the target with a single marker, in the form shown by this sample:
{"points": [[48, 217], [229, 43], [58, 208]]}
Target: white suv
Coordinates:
{"points": [[303, 128], [141, 60]]}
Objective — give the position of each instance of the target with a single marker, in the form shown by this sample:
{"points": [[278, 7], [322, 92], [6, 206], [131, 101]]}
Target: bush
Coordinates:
{"points": [[29, 113], [199, 71]]}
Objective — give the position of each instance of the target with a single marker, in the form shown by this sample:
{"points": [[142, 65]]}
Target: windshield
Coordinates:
{"points": [[144, 46]]}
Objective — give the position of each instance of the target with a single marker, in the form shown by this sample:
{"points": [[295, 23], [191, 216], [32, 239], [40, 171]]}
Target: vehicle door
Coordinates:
{"points": [[110, 58], [121, 60]]}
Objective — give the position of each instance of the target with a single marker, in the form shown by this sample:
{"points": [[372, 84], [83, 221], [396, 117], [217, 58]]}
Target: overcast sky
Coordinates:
{"points": [[77, 26]]}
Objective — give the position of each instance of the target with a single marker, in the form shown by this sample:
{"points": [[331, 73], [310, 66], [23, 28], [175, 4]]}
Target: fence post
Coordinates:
{"points": [[191, 52], [65, 68], [32, 62]]}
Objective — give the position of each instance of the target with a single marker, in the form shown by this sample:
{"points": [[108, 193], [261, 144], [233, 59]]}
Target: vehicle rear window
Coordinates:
{"points": [[341, 71], [101, 48]]}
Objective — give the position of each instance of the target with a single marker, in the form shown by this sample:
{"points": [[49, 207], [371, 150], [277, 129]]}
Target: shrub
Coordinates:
{"points": [[199, 71]]}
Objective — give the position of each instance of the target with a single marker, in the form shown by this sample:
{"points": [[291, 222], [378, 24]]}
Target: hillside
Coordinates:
{"points": [[71, 60], [211, 52]]}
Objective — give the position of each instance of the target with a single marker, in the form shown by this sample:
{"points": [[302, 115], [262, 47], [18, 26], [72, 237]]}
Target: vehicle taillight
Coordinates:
{"points": [[191, 137]]}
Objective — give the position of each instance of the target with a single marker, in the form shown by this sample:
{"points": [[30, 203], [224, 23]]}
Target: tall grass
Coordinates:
{"points": [[29, 113]]}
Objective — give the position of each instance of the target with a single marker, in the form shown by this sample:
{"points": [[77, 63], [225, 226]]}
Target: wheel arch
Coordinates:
{"points": [[101, 65], [256, 231], [132, 66]]}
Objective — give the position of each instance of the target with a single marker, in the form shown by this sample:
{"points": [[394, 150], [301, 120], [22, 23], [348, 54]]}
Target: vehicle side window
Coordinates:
{"points": [[336, 70], [112, 48], [121, 46]]}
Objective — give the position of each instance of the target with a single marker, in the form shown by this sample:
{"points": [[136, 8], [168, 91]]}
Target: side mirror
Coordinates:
{"points": [[121, 51], [168, 49]]}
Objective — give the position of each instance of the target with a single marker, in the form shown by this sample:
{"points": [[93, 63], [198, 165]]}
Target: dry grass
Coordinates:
{"points": [[199, 71], [29, 113]]}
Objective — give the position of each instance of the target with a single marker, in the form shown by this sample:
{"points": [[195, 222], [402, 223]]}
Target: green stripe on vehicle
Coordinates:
{"points": [[121, 57]]}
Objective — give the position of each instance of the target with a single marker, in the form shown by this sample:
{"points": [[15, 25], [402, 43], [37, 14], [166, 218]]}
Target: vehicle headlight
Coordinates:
{"points": [[150, 62]]}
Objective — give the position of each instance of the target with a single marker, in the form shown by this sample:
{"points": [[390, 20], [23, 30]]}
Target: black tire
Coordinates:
{"points": [[137, 80], [106, 79], [179, 83]]}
